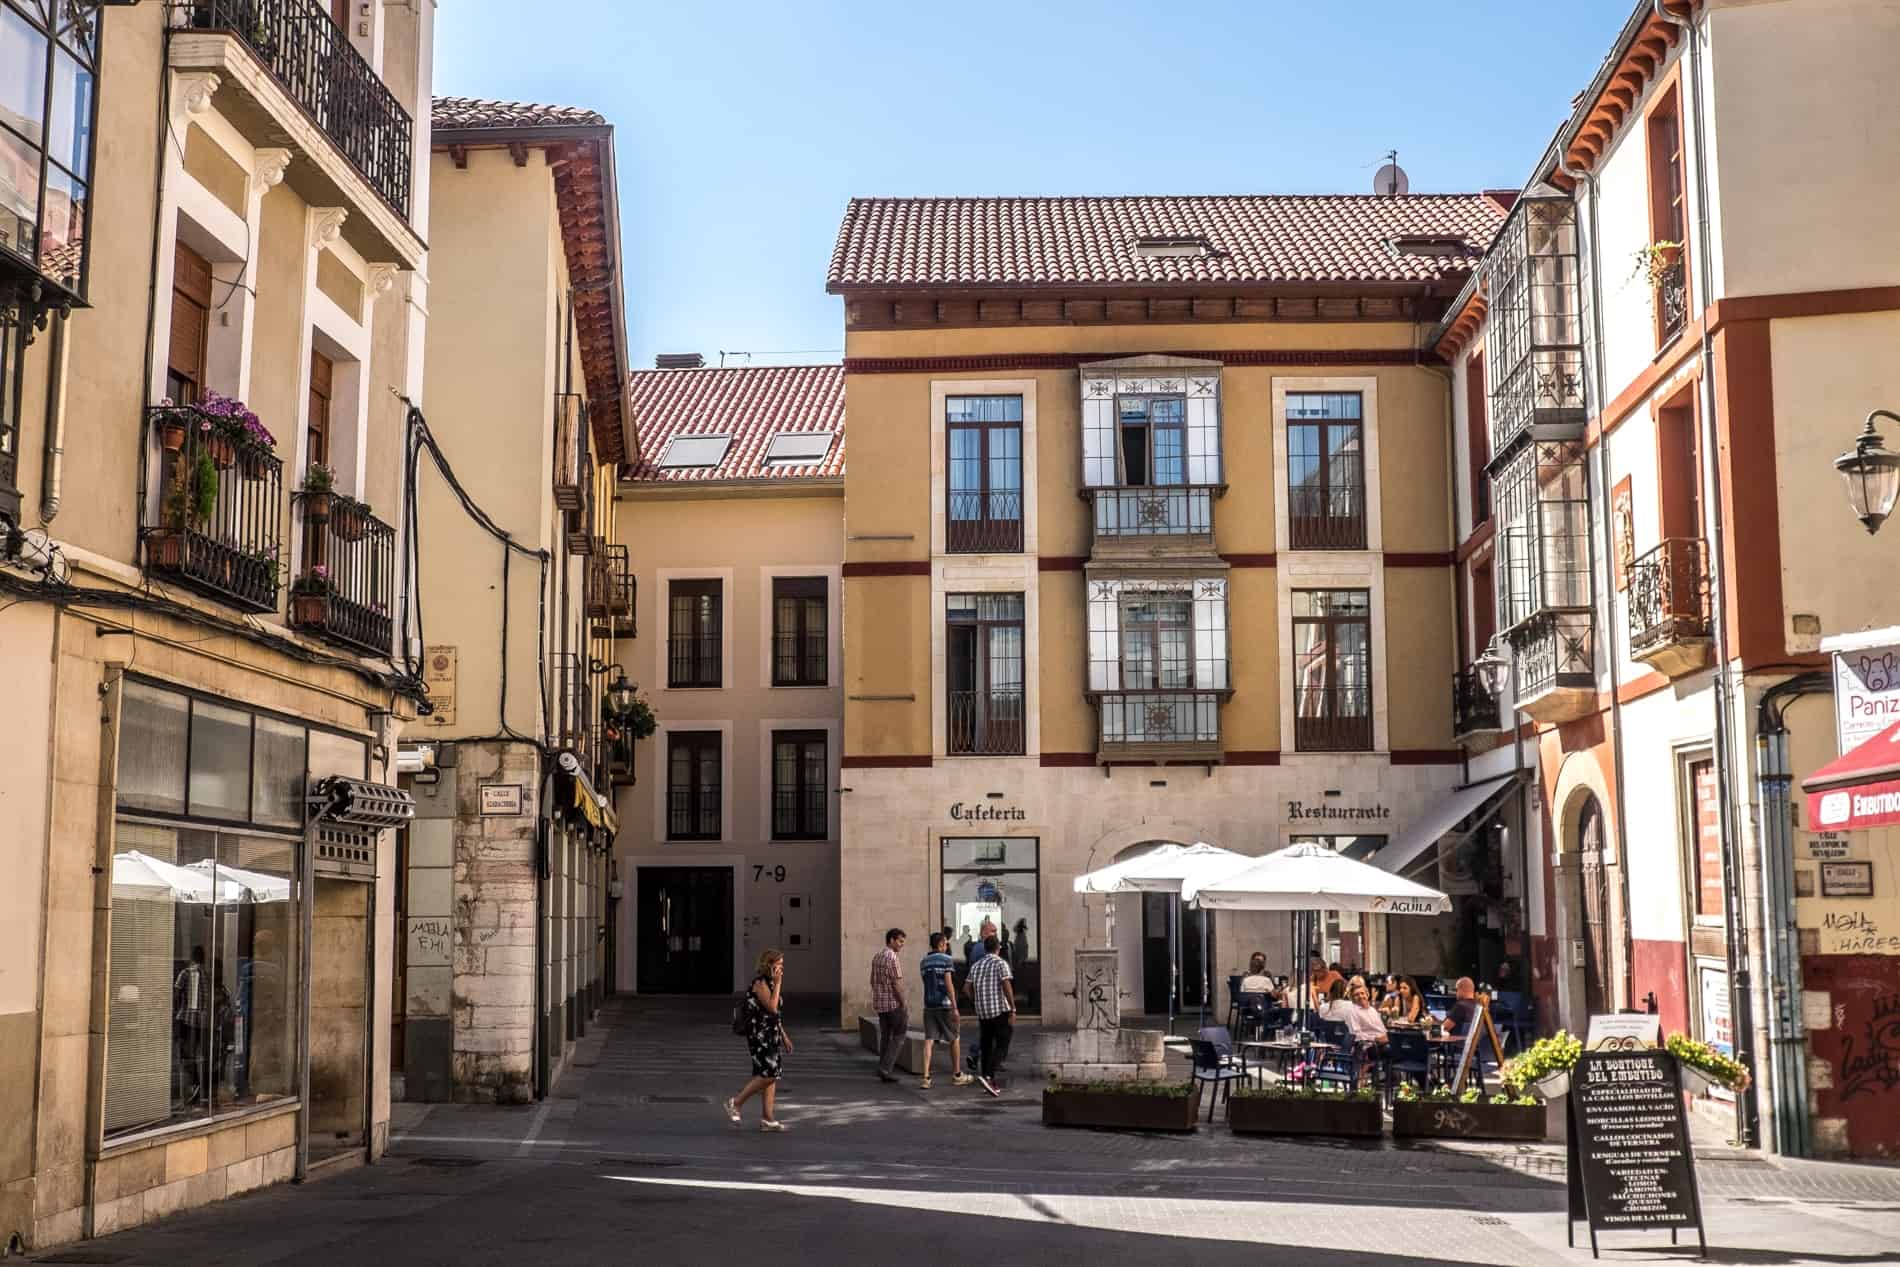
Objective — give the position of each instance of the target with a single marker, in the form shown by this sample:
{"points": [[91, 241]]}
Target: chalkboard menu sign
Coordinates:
{"points": [[1630, 1161]]}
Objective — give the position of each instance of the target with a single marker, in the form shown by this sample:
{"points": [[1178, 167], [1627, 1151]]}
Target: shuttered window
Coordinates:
{"points": [[191, 325]]}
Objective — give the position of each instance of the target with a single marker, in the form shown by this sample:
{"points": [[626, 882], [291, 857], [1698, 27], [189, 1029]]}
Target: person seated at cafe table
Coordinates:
{"points": [[1362, 1020], [1464, 1008], [1321, 978], [1406, 1004], [1257, 981]]}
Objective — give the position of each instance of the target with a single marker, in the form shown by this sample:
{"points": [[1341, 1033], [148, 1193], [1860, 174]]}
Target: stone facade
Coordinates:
{"points": [[494, 886]]}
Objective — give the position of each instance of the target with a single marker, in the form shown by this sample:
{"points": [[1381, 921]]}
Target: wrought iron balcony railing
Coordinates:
{"points": [[1332, 719], [1168, 512], [1138, 723], [1672, 300], [345, 591], [342, 93], [986, 723], [220, 510], [1669, 595], [1556, 651], [574, 718], [610, 592], [1327, 519], [984, 523], [1474, 709]]}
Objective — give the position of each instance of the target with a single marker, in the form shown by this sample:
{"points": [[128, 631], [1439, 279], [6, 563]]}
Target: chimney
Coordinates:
{"points": [[679, 361]]}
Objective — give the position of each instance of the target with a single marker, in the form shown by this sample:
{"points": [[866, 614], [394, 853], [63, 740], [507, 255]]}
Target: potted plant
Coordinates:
{"points": [[1469, 1115], [349, 518], [310, 598], [1544, 1066], [318, 481], [1128, 1106], [638, 721], [1654, 261], [264, 567], [1704, 1067], [1288, 1108], [172, 421]]}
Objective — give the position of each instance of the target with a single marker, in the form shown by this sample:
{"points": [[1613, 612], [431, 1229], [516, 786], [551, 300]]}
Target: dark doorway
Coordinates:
{"points": [[1596, 903], [1157, 956], [684, 918]]}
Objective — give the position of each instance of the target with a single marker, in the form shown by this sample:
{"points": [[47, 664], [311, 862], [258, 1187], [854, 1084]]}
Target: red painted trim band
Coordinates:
{"points": [[883, 763], [1238, 358], [901, 567]]}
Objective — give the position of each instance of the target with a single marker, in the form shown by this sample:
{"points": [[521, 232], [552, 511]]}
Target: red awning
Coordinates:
{"points": [[1857, 789]]}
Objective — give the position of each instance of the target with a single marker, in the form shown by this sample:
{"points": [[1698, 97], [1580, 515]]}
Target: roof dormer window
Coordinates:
{"points": [[797, 448], [1163, 248], [694, 451]]}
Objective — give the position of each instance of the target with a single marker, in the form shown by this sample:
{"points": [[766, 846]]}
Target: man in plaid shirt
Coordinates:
{"points": [[991, 985], [887, 996]]}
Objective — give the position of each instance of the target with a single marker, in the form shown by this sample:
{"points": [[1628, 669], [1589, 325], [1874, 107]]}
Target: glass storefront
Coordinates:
{"points": [[997, 879], [202, 964]]}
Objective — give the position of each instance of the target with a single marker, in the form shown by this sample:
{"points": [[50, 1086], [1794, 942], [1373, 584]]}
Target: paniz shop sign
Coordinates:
{"points": [[1866, 694]]}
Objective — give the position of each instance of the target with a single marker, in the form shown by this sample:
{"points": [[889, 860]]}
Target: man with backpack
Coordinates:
{"points": [[940, 1008]]}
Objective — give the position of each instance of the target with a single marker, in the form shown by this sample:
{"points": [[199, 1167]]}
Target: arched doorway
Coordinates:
{"points": [[1594, 899]]}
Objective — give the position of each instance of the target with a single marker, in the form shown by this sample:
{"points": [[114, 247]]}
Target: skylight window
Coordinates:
{"points": [[1430, 245], [797, 448], [1155, 248], [693, 451]]}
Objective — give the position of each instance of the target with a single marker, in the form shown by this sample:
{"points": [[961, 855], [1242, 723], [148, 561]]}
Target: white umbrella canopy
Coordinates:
{"points": [[1309, 877], [234, 881], [139, 875], [1164, 869]]}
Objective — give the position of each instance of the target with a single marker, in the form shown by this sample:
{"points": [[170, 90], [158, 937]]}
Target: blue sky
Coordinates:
{"points": [[743, 128]]}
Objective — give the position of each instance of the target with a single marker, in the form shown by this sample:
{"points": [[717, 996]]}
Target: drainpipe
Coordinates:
{"points": [[1735, 908], [1787, 1034], [53, 457], [1611, 657]]}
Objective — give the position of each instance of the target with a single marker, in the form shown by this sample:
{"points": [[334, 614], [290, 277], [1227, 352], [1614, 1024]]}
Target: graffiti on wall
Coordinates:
{"points": [[1870, 1060]]}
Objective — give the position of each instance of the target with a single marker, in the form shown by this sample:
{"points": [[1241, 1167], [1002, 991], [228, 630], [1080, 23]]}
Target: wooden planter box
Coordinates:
{"points": [[1120, 1110], [1440, 1119], [1288, 1115]]}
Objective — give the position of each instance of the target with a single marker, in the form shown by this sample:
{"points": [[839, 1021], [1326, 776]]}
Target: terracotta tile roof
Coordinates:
{"points": [[1253, 240], [475, 112], [750, 405]]}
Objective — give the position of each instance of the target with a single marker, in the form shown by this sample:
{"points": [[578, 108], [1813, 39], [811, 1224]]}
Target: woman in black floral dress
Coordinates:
{"points": [[765, 1038]]}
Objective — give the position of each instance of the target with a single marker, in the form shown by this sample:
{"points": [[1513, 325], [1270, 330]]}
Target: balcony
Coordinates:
{"points": [[1332, 719], [1670, 628], [221, 500], [986, 723], [574, 719], [1474, 709], [1159, 726], [610, 592], [345, 592], [984, 523], [1150, 521], [1672, 301], [570, 420], [287, 76], [1556, 664], [1535, 326]]}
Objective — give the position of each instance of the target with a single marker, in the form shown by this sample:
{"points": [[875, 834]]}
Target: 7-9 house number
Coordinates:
{"points": [[762, 873]]}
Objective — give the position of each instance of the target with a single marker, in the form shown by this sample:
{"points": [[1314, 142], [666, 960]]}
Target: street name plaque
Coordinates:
{"points": [[1630, 1164]]}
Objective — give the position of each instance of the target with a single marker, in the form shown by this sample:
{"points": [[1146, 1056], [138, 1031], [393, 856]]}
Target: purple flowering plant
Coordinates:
{"points": [[236, 420], [314, 582]]}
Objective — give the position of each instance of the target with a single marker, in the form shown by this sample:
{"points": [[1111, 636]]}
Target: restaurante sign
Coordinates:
{"points": [[1300, 811]]}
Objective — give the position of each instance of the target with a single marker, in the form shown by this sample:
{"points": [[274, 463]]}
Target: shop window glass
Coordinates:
{"points": [[255, 1041], [277, 766], [220, 761], [152, 749], [337, 754], [997, 879]]}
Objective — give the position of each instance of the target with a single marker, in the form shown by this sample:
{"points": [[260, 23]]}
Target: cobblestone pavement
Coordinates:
{"points": [[632, 1161]]}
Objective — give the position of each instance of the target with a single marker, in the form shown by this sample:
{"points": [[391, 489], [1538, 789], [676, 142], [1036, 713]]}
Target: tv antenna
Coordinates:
{"points": [[1390, 181]]}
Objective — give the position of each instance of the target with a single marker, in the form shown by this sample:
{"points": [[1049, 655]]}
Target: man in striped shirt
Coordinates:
{"points": [[887, 997], [992, 988]]}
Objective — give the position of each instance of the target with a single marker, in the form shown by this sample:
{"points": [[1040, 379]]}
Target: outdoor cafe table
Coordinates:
{"points": [[1283, 1052]]}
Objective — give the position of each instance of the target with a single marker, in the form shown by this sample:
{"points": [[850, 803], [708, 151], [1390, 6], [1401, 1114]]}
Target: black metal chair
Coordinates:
{"points": [[1408, 1055], [1233, 1001], [1253, 1015], [1219, 1069], [1338, 1060]]}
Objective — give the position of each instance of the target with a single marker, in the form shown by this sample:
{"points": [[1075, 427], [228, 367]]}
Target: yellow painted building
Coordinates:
{"points": [[212, 280], [729, 832], [1147, 539], [503, 963]]}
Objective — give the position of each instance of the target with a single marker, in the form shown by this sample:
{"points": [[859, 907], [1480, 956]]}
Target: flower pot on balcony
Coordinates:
{"points": [[349, 522], [310, 611], [316, 507], [223, 450], [165, 550], [251, 463], [171, 435]]}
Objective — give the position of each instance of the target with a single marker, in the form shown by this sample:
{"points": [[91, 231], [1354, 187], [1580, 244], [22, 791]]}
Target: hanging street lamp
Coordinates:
{"points": [[1872, 472], [1493, 667]]}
